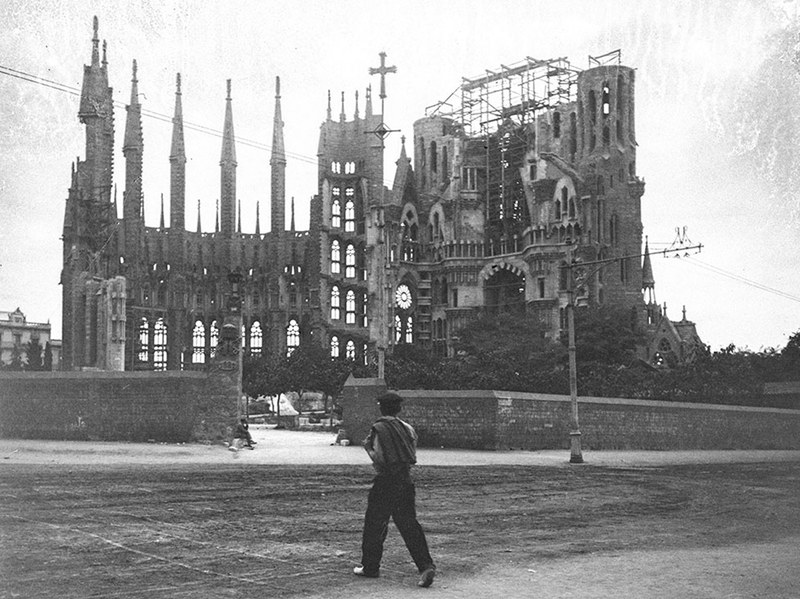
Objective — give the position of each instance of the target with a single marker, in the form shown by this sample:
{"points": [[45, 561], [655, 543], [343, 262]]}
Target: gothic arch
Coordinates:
{"points": [[515, 265], [504, 287]]}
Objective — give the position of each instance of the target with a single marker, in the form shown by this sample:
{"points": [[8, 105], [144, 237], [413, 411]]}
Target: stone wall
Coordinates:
{"points": [[507, 420], [117, 406]]}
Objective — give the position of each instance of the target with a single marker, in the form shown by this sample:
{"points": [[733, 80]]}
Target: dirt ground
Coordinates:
{"points": [[229, 526]]}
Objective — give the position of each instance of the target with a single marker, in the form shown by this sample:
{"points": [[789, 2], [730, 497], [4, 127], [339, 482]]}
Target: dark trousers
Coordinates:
{"points": [[392, 497]]}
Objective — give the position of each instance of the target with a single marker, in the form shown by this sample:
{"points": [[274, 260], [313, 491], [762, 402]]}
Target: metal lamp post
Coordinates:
{"points": [[575, 457]]}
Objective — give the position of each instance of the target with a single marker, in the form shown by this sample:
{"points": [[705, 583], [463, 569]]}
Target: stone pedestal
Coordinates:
{"points": [[359, 409]]}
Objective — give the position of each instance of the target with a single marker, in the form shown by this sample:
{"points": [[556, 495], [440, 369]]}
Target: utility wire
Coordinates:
{"points": [[8, 71], [741, 279]]}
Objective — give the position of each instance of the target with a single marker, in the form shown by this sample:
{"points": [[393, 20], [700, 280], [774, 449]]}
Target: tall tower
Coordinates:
{"points": [[132, 200], [607, 160], [89, 212], [350, 174], [177, 162], [277, 164]]}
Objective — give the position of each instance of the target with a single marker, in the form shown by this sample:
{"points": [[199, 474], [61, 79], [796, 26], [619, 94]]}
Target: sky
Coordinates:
{"points": [[717, 144]]}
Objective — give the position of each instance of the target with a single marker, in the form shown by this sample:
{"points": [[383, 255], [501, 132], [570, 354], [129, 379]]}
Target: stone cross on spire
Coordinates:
{"points": [[382, 70], [382, 130]]}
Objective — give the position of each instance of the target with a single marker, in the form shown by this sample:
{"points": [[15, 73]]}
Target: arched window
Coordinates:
{"points": [[349, 210], [558, 209], [336, 213], [606, 135], [350, 261], [350, 351], [350, 307], [349, 168], [292, 337], [434, 158], [445, 164], [398, 328], [336, 257], [334, 347], [214, 338], [199, 343], [556, 124], [364, 309], [572, 208], [606, 100], [335, 305], [144, 340], [410, 329], [256, 338], [160, 345]]}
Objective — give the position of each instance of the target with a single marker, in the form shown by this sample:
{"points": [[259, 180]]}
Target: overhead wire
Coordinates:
{"points": [[741, 279], [28, 77]]}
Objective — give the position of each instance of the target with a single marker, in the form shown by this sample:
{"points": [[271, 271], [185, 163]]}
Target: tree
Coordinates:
{"points": [[790, 358], [510, 352], [606, 334], [47, 361], [33, 353], [309, 368], [16, 363]]}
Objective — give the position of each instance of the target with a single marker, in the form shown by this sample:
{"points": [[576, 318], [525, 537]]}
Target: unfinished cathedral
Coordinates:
{"points": [[520, 173]]}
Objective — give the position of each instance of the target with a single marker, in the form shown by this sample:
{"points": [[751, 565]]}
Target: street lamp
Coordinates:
{"points": [[575, 434], [575, 455]]}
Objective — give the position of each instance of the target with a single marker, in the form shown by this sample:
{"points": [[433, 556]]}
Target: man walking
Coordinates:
{"points": [[392, 446]]}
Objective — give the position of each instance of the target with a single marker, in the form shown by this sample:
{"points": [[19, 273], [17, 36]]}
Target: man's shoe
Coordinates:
{"points": [[359, 571], [426, 578]]}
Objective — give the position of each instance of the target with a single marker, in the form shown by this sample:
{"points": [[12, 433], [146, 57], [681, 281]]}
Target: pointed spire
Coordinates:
{"points": [[199, 228], [133, 124], [356, 114], [292, 223], [342, 116], [278, 150], [368, 108], [277, 164], [228, 146], [178, 149], [684, 314], [258, 217], [95, 42], [161, 220], [329, 105], [648, 281], [403, 155], [95, 94], [227, 197], [239, 218]]}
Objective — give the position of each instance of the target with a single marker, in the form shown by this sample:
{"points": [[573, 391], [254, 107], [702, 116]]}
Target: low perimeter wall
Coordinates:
{"points": [[508, 420], [116, 406]]}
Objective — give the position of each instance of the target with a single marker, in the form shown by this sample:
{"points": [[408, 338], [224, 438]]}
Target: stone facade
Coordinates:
{"points": [[506, 191]]}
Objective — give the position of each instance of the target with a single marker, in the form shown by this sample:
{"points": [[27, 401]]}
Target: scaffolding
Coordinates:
{"points": [[511, 95]]}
